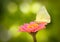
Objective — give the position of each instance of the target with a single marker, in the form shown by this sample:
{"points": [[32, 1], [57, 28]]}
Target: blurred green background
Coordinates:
{"points": [[14, 13]]}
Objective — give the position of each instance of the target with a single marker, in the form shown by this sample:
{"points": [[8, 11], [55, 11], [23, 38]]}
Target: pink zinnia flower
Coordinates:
{"points": [[32, 27]]}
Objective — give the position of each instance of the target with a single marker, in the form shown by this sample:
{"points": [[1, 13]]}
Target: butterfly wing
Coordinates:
{"points": [[43, 16]]}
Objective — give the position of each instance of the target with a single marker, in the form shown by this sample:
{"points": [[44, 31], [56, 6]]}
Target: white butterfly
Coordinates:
{"points": [[43, 16]]}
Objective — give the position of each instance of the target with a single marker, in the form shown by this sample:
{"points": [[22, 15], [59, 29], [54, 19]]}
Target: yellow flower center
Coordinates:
{"points": [[32, 25]]}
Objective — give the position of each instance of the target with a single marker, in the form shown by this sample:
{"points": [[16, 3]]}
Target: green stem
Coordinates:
{"points": [[34, 36]]}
